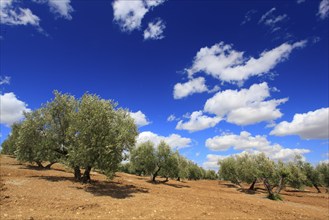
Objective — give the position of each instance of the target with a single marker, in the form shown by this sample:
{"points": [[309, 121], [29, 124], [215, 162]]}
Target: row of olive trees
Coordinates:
{"points": [[274, 175], [87, 133], [147, 160]]}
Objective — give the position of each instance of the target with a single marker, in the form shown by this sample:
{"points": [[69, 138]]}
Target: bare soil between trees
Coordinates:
{"points": [[30, 193]]}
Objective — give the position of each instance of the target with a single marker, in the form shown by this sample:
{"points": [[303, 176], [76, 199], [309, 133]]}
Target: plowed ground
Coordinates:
{"points": [[30, 193]]}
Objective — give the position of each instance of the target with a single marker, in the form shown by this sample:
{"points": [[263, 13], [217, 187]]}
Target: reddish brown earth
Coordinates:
{"points": [[29, 193]]}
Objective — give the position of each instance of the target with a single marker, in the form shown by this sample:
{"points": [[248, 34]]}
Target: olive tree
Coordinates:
{"points": [[323, 169], [143, 158], [210, 175], [182, 168], [100, 134], [312, 175], [148, 160], [9, 145], [59, 115], [32, 143], [165, 161], [194, 171], [228, 170]]}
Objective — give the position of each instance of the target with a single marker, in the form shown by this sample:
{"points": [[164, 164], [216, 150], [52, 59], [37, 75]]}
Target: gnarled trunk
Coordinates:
{"points": [[39, 164], [77, 173], [178, 178], [155, 174], [268, 188], [317, 188], [86, 175], [252, 186], [280, 185]]}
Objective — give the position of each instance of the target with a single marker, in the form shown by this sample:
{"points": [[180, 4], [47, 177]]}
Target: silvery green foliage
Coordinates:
{"points": [[99, 134], [297, 177], [211, 175], [33, 143], [59, 114], [228, 170], [9, 145], [166, 160], [143, 158], [323, 169]]}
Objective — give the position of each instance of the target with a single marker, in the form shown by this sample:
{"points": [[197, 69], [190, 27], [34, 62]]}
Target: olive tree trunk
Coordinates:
{"points": [[155, 174], [252, 186], [86, 175], [77, 173]]}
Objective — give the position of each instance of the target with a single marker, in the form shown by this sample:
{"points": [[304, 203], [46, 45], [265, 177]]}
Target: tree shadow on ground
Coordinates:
{"points": [[55, 178], [247, 191], [31, 167], [113, 189], [168, 184], [229, 185], [100, 188]]}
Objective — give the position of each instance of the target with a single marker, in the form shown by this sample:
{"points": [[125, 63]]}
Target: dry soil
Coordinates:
{"points": [[31, 193]]}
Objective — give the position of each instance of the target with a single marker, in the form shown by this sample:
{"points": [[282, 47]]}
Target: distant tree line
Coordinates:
{"points": [[273, 175], [148, 160]]}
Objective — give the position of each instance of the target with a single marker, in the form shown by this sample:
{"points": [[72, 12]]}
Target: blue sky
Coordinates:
{"points": [[212, 78]]}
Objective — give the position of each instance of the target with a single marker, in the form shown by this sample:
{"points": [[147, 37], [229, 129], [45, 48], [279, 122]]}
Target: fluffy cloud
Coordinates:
{"points": [[310, 125], [198, 122], [212, 161], [12, 15], [11, 109], [154, 31], [174, 140], [196, 85], [252, 144], [140, 118], [129, 14], [226, 64], [61, 8], [245, 107], [4, 80], [323, 9]]}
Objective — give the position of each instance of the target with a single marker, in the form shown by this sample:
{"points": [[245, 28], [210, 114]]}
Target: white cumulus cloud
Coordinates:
{"points": [[61, 8], [310, 125], [198, 121], [246, 106], [11, 109], [10, 14], [253, 144], [129, 14], [196, 85], [228, 65], [140, 118], [212, 161], [324, 9], [154, 30], [173, 140]]}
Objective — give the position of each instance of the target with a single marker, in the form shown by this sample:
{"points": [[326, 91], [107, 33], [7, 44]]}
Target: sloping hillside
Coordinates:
{"points": [[29, 193]]}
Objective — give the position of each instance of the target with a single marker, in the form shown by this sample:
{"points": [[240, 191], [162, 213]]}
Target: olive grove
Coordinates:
{"points": [[253, 168]]}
